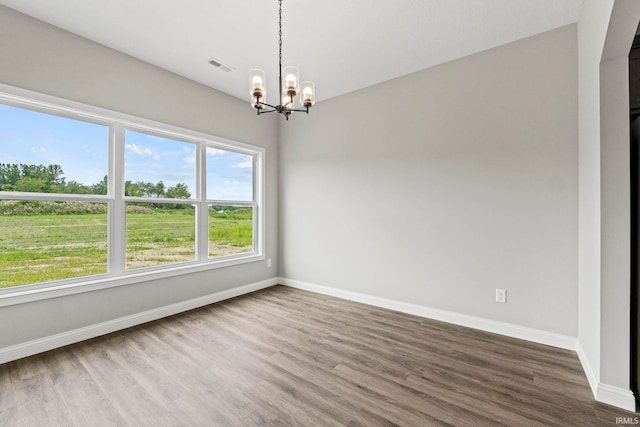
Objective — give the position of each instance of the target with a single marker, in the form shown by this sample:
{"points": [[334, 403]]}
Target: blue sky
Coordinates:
{"points": [[34, 138], [81, 148]]}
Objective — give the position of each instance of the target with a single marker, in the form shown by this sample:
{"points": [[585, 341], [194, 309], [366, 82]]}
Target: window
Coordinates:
{"points": [[44, 153], [48, 233], [159, 231], [42, 240], [229, 194], [229, 175], [159, 234], [157, 167], [230, 230], [86, 193]]}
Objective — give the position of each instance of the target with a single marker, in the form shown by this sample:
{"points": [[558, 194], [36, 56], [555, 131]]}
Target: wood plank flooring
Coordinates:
{"points": [[285, 357]]}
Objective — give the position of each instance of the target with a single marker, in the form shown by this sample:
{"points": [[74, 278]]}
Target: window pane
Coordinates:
{"points": [[159, 167], [229, 175], [43, 241], [230, 230], [44, 153], [160, 234]]}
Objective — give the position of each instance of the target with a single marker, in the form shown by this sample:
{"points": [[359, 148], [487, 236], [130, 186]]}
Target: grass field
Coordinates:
{"points": [[39, 248]]}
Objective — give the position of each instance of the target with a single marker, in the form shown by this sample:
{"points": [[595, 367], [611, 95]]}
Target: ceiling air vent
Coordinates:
{"points": [[220, 65]]}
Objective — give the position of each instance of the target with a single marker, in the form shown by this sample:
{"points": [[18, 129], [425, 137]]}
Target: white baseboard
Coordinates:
{"points": [[616, 396], [30, 348], [592, 378], [514, 331]]}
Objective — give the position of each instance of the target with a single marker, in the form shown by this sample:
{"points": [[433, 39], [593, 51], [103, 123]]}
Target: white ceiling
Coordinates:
{"points": [[341, 45]]}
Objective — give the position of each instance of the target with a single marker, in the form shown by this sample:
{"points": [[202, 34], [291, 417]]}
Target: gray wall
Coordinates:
{"points": [[42, 58], [441, 186]]}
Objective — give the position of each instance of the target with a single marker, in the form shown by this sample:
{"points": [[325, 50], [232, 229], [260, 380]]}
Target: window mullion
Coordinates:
{"points": [[117, 213], [202, 211]]}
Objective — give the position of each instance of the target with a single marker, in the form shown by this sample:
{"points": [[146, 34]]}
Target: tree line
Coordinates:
{"points": [[49, 179]]}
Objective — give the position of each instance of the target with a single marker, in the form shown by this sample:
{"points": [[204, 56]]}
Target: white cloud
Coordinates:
{"points": [[38, 149], [140, 151], [190, 160], [214, 151], [190, 157], [243, 165]]}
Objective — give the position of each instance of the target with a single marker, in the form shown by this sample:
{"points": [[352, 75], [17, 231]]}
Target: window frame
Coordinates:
{"points": [[118, 123]]}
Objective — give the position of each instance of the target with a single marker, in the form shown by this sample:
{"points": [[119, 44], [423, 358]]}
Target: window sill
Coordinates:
{"points": [[37, 292]]}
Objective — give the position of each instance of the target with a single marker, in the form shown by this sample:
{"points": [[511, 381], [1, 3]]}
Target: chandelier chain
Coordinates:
{"points": [[280, 49], [280, 33]]}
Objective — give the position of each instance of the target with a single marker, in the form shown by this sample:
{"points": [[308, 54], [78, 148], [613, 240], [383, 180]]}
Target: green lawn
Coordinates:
{"points": [[44, 247], [49, 247]]}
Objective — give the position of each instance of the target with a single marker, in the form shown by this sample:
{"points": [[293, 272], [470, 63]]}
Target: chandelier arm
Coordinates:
{"points": [[260, 111], [268, 105]]}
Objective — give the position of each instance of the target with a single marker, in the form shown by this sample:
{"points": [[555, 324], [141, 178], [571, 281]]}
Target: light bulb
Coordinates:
{"points": [[290, 81], [257, 82], [306, 94]]}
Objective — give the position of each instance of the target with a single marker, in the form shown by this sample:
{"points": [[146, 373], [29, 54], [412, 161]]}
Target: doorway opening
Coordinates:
{"points": [[634, 119]]}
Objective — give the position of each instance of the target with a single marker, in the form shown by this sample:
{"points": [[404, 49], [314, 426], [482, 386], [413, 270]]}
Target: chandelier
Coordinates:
{"points": [[289, 85]]}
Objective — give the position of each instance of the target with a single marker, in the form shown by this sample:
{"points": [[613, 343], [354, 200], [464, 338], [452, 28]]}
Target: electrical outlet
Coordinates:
{"points": [[501, 295], [269, 263]]}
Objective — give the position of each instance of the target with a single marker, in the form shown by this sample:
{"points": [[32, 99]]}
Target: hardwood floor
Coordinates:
{"points": [[286, 357]]}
